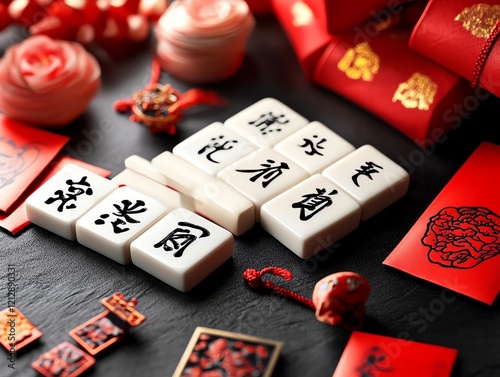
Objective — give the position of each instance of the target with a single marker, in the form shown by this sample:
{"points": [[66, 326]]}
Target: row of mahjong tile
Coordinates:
{"points": [[295, 206]]}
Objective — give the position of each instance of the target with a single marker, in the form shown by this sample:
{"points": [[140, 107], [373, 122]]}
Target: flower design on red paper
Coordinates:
{"points": [[214, 356], [462, 237]]}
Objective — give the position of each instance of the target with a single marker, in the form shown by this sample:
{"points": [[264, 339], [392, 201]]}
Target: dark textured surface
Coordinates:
{"points": [[60, 283]]}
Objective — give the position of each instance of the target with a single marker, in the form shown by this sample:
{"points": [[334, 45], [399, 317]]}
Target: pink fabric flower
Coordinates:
{"points": [[46, 82]]}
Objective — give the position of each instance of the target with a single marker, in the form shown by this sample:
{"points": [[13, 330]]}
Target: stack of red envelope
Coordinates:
{"points": [[365, 56]]}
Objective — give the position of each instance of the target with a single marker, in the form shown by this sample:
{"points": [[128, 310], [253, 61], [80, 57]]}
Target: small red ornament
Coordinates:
{"points": [[161, 107], [109, 327], [338, 299]]}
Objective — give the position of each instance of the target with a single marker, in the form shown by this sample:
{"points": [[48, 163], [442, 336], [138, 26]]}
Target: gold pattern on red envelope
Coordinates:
{"points": [[360, 62], [417, 92], [16, 331], [302, 14], [479, 19]]}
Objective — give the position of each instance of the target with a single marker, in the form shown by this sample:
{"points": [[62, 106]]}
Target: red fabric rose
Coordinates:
{"points": [[462, 237], [46, 82]]}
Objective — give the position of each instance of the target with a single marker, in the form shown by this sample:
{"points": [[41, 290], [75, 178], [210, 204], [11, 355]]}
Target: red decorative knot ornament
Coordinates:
{"points": [[47, 83], [338, 299], [161, 107]]}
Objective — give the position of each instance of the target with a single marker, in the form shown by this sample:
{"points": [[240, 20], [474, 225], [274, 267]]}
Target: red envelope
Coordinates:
{"points": [[453, 33], [377, 71], [17, 220], [24, 153], [456, 241], [378, 356]]}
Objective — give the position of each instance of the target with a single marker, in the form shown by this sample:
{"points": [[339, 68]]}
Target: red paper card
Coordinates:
{"points": [[24, 152], [377, 356], [456, 242], [17, 220]]}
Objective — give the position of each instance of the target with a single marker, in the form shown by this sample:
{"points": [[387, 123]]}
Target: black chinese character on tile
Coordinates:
{"points": [[313, 145], [314, 203], [366, 170], [180, 238], [268, 173], [68, 198], [123, 215], [216, 146], [265, 122]]}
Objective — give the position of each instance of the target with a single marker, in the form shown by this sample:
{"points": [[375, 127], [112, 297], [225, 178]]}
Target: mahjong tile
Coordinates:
{"points": [[109, 227], [165, 195], [371, 178], [213, 148], [262, 175], [311, 215], [142, 166], [210, 197], [182, 249], [266, 122], [64, 198], [314, 147]]}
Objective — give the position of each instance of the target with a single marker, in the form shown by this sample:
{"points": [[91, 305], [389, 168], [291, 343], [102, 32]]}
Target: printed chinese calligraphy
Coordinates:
{"points": [[265, 122], [123, 215], [215, 146], [313, 146], [268, 172], [180, 238], [366, 170], [74, 190], [314, 203]]}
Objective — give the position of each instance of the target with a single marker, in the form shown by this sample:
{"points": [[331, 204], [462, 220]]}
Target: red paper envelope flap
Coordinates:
{"points": [[452, 33], [456, 241], [384, 76], [24, 152], [304, 28], [375, 355]]}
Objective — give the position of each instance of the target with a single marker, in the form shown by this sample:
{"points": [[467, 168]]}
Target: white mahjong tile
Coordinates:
{"points": [[371, 178], [310, 216], [116, 221], [209, 196], [64, 198], [165, 195], [213, 148], [142, 166], [266, 122], [182, 249], [262, 175], [314, 147]]}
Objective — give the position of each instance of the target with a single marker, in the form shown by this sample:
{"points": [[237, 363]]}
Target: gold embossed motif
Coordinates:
{"points": [[360, 62], [302, 14], [479, 19], [417, 92]]}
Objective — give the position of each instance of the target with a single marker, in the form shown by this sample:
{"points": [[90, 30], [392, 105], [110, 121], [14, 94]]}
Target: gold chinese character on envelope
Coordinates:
{"points": [[360, 62], [479, 19], [417, 92]]}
